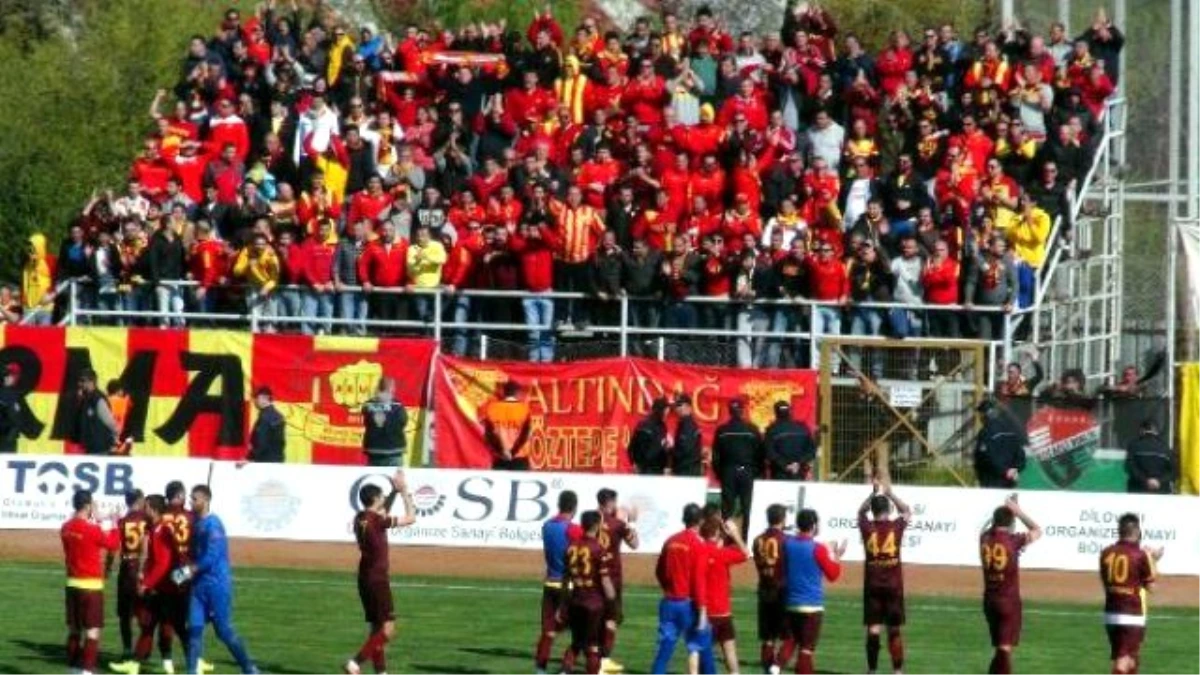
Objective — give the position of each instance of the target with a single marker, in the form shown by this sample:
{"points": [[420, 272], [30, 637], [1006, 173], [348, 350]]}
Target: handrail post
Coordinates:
{"points": [[1008, 338], [72, 302], [254, 314], [483, 346], [624, 326], [662, 348], [437, 319]]}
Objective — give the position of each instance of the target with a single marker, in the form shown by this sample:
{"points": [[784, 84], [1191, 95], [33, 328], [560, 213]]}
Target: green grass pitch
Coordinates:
{"points": [[310, 622]]}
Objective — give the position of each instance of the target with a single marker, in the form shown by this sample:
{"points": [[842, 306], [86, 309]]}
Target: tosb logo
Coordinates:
{"points": [[52, 478]]}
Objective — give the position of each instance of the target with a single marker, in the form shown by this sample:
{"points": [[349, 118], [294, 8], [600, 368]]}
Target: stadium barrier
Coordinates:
{"points": [[947, 522], [298, 502]]}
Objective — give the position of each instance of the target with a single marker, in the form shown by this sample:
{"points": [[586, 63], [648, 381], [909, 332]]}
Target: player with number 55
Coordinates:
{"points": [[1000, 547]]}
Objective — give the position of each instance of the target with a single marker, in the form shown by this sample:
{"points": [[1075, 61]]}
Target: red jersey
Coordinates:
{"points": [[383, 264], [682, 568], [999, 551], [940, 281], [162, 556], [827, 279], [370, 531], [613, 531], [1126, 571], [768, 560], [587, 565], [182, 522], [133, 526], [719, 586], [83, 544], [881, 542]]}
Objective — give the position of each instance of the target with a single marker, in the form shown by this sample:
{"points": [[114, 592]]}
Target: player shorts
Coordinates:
{"points": [[1125, 640], [85, 609], [1004, 622], [722, 628], [883, 606], [168, 609], [806, 629], [587, 625], [376, 596], [615, 610], [553, 611], [772, 620]]}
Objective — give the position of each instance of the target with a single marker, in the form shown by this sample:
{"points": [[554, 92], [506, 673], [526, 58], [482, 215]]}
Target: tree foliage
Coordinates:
{"points": [[74, 94]]}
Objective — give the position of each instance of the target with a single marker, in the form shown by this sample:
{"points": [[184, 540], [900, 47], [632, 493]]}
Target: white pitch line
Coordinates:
{"points": [[532, 590]]}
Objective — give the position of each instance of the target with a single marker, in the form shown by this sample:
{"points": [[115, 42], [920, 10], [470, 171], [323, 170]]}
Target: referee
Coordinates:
{"points": [[738, 460]]}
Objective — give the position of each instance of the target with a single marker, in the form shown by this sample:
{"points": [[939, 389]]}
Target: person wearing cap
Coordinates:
{"points": [[791, 451], [385, 421], [96, 428], [737, 459], [687, 452], [10, 409], [268, 436], [999, 448], [648, 447]]}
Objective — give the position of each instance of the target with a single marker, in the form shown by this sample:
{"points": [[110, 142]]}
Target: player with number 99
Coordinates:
{"points": [[1000, 548]]}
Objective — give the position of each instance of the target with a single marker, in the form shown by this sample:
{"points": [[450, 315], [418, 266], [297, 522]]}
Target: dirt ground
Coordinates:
{"points": [[1179, 591]]}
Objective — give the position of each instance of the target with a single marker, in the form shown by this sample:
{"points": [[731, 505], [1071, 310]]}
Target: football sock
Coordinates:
{"points": [[784, 656], [73, 653], [126, 637], [165, 637], [542, 657], [568, 660], [767, 655], [145, 643], [896, 649], [1001, 662], [593, 661], [804, 663], [379, 656], [872, 652], [368, 649], [91, 654], [610, 637]]}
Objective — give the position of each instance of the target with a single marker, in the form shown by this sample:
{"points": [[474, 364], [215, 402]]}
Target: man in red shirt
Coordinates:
{"points": [[83, 542], [579, 228], [725, 549], [384, 265], [318, 256], [883, 577], [597, 176], [1000, 551], [682, 573], [646, 95], [151, 171], [828, 283], [535, 247], [366, 204], [940, 279]]}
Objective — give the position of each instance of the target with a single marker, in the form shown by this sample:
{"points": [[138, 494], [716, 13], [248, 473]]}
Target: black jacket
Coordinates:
{"points": [[268, 438], [385, 423], [647, 450], [607, 270], [789, 442], [166, 258], [737, 443], [1148, 456], [1000, 447], [687, 455]]}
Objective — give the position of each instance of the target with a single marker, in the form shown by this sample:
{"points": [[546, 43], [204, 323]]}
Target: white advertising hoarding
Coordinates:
{"points": [[35, 490], [947, 522], [494, 509]]}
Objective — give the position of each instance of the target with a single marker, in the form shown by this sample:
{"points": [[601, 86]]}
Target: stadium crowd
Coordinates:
{"points": [[313, 170]]}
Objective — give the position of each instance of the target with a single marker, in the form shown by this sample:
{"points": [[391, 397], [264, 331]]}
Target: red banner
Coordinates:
{"points": [[189, 391], [583, 413]]}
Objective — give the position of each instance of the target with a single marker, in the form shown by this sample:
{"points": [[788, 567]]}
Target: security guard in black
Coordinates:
{"points": [[790, 449], [738, 460], [687, 453], [648, 447]]}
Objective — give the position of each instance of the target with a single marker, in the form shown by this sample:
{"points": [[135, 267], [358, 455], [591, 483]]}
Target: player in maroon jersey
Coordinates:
{"points": [[161, 604], [589, 570], [132, 527], [999, 551], [371, 527], [883, 578], [1127, 571], [768, 560], [616, 528]]}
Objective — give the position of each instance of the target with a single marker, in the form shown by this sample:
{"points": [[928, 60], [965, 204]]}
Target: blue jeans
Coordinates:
{"points": [[214, 602], [167, 299], [866, 321], [317, 305], [352, 306], [906, 323], [676, 619], [539, 316], [290, 303], [1026, 284], [827, 321], [422, 306], [459, 311]]}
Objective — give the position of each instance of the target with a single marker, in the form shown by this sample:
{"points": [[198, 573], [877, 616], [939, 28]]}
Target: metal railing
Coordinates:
{"points": [[440, 324]]}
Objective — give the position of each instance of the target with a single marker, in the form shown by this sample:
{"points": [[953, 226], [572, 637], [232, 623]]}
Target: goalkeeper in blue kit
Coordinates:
{"points": [[212, 585]]}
